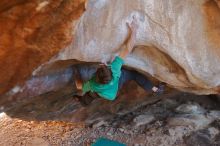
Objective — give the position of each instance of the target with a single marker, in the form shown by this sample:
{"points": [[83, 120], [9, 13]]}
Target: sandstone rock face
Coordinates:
{"points": [[177, 41], [31, 32]]}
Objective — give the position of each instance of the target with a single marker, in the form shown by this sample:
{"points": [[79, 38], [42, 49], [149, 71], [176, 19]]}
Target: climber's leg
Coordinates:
{"points": [[126, 75], [143, 81], [81, 74]]}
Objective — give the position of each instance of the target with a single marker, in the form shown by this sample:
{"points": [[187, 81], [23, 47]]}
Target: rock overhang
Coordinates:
{"points": [[177, 42]]}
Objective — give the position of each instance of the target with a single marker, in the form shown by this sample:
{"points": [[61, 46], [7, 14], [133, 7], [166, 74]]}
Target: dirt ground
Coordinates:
{"points": [[164, 123]]}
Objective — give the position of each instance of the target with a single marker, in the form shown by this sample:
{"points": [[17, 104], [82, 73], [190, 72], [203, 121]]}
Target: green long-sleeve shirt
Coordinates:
{"points": [[107, 91]]}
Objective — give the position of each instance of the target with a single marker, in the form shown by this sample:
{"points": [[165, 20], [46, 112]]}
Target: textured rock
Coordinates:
{"points": [[37, 142], [31, 32], [177, 42], [203, 137], [55, 106], [215, 114], [191, 115], [61, 105], [190, 109], [143, 119], [195, 121]]}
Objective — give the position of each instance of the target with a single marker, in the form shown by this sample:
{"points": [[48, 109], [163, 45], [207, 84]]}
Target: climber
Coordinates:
{"points": [[107, 79]]}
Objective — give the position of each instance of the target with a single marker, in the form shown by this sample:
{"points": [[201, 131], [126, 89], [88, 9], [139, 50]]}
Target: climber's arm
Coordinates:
{"points": [[77, 78], [79, 84], [129, 41]]}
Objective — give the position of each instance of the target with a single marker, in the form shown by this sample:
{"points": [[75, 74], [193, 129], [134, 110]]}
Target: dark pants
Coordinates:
{"points": [[128, 75], [87, 71]]}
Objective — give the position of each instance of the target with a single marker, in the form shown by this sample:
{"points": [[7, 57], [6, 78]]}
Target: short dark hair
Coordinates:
{"points": [[103, 74]]}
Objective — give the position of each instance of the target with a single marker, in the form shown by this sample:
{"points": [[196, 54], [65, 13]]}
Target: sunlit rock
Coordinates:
{"points": [[177, 42]]}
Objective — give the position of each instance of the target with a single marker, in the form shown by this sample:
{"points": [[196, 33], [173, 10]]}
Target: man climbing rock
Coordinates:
{"points": [[106, 80]]}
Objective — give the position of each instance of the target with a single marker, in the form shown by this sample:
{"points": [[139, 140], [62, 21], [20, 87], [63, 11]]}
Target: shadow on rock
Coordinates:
{"points": [[52, 97], [62, 105]]}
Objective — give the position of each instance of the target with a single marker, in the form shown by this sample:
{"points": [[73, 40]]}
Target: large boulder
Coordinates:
{"points": [[177, 41]]}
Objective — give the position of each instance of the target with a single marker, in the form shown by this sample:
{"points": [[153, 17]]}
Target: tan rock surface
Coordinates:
{"points": [[178, 41]]}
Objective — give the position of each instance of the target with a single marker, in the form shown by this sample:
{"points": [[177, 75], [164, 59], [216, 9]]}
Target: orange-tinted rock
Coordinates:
{"points": [[212, 14], [31, 32], [218, 2]]}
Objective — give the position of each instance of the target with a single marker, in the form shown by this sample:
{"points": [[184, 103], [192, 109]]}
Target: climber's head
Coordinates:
{"points": [[103, 74]]}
